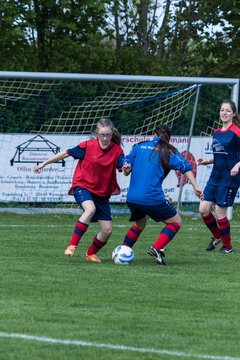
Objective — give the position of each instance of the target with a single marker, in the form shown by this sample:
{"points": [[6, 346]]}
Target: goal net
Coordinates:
{"points": [[44, 114]]}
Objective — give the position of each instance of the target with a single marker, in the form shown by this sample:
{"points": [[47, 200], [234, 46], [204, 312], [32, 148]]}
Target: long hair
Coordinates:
{"points": [[105, 122], [236, 118], [162, 147]]}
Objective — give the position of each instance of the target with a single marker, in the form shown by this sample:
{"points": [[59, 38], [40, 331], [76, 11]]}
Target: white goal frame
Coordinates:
{"points": [[233, 82]]}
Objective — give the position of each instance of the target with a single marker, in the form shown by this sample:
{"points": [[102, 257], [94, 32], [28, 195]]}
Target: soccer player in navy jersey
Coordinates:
{"points": [[149, 163], [224, 181], [94, 181]]}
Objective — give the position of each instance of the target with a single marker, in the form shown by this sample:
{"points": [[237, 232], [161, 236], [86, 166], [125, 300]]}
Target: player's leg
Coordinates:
{"points": [[224, 229], [225, 197], [167, 213], [139, 217], [205, 210], [172, 226], [85, 200], [104, 218], [99, 240]]}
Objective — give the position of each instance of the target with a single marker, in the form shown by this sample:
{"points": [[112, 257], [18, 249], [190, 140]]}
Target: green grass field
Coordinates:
{"points": [[66, 308]]}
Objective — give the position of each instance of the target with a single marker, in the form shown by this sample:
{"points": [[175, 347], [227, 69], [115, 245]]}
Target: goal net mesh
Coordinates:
{"points": [[40, 117]]}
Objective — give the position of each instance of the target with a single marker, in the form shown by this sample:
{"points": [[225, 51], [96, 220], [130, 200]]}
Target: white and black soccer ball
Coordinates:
{"points": [[123, 255]]}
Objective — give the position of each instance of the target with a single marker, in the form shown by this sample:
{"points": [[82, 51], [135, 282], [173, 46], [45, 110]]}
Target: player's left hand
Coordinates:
{"points": [[234, 171], [199, 194], [126, 169]]}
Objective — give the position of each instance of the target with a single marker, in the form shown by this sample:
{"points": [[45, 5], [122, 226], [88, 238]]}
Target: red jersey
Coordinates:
{"points": [[96, 168]]}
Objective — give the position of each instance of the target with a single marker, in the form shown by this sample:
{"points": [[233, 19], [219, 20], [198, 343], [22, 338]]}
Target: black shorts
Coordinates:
{"points": [[159, 212]]}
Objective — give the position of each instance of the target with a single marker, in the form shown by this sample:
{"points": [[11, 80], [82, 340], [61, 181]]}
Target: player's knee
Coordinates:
{"points": [[177, 220], [140, 224], [219, 212], [179, 223], [107, 232], [203, 211], [90, 210], [204, 208]]}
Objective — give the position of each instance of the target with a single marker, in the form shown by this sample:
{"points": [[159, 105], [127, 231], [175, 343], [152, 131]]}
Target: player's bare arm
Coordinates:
{"points": [[235, 169], [197, 189], [202, 161], [59, 156]]}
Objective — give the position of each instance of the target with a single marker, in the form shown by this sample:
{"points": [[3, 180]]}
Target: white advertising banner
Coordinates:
{"points": [[20, 153]]}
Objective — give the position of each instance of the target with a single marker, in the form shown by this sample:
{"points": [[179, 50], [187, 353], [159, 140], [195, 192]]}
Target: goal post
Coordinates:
{"points": [[189, 144], [44, 113]]}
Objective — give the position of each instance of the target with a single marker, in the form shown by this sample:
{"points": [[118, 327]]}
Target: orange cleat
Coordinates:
{"points": [[93, 258], [70, 250]]}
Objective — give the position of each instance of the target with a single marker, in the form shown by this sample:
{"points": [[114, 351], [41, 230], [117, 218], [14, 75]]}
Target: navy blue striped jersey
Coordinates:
{"points": [[226, 154]]}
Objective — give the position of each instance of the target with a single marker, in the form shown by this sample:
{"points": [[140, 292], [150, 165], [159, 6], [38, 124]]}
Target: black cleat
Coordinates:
{"points": [[213, 243], [157, 254], [226, 250]]}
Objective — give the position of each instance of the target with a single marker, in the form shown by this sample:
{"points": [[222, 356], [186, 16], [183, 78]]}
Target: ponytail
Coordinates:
{"points": [[163, 148]]}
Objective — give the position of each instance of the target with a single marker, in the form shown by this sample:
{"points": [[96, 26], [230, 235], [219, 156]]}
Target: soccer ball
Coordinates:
{"points": [[123, 255]]}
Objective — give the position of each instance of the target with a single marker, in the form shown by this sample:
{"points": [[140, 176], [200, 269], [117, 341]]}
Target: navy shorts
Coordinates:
{"points": [[102, 205], [221, 195], [159, 212]]}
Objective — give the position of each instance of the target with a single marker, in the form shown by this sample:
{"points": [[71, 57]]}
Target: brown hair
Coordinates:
{"points": [[105, 122], [236, 119], [163, 147]]}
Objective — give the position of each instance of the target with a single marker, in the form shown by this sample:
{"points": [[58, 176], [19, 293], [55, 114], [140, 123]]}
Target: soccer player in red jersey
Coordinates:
{"points": [[94, 181], [224, 181]]}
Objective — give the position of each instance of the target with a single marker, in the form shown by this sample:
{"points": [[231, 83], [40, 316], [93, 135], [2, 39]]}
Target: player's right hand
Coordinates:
{"points": [[202, 161], [37, 169]]}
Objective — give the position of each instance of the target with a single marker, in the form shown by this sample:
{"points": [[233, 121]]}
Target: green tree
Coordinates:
{"points": [[181, 38], [14, 47]]}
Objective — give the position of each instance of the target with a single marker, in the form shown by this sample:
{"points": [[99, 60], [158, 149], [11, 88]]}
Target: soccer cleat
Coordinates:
{"points": [[70, 250], [213, 243], [226, 250], [157, 254], [93, 258]]}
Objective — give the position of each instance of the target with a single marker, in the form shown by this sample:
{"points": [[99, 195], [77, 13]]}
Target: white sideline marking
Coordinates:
{"points": [[114, 225], [113, 347], [66, 225]]}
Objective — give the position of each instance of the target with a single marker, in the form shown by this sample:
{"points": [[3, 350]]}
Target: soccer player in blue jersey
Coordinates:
{"points": [[149, 163], [224, 181], [94, 181]]}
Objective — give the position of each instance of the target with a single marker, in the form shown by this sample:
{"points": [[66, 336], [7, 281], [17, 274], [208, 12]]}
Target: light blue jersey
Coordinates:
{"points": [[147, 173]]}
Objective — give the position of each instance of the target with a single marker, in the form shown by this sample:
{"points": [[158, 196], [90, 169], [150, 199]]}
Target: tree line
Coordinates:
{"points": [[147, 37]]}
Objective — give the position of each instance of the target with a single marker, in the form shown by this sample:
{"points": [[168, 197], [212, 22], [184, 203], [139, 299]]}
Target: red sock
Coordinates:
{"points": [[131, 236], [96, 246], [224, 228], [166, 235], [79, 231], [212, 225]]}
